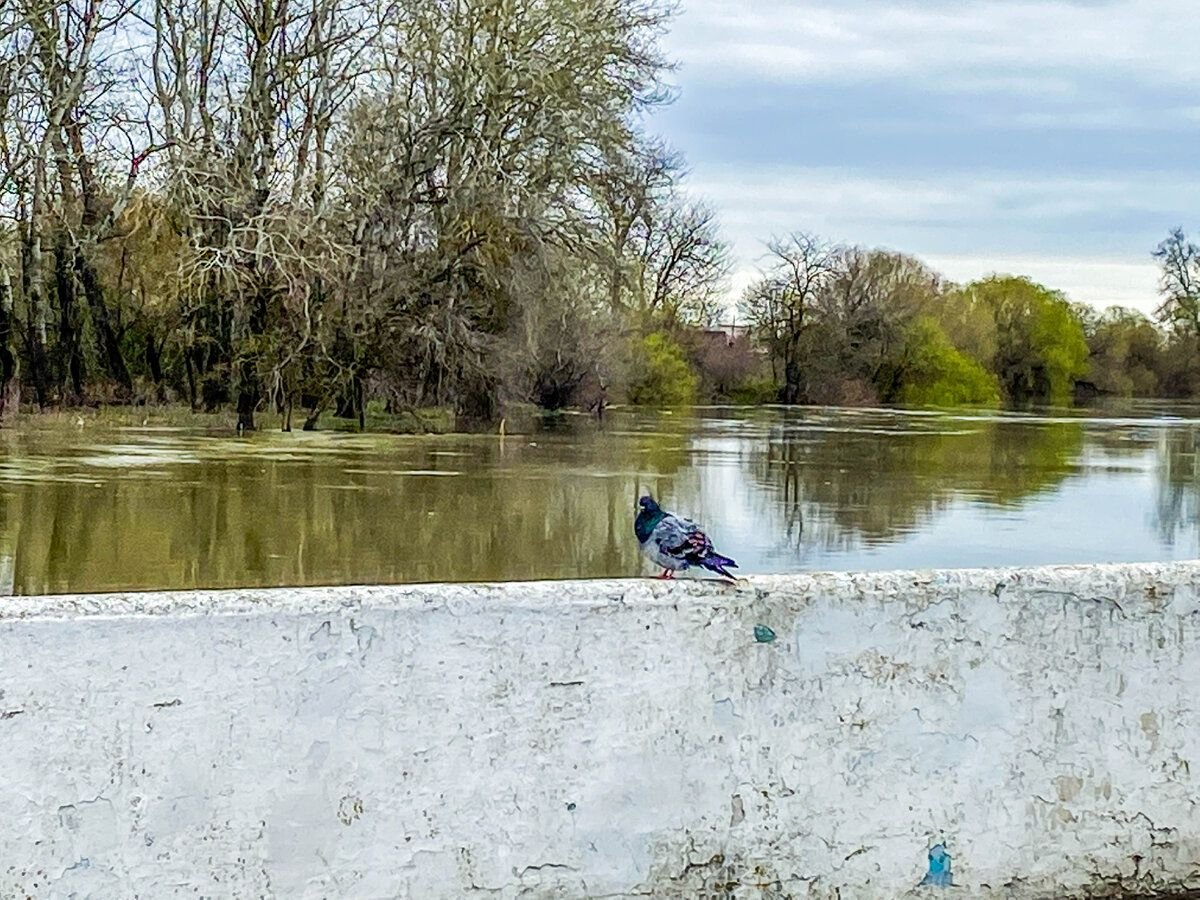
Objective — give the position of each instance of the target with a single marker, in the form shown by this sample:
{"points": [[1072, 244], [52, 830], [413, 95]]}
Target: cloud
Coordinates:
{"points": [[1098, 282], [970, 45], [1089, 237], [950, 212], [1048, 138]]}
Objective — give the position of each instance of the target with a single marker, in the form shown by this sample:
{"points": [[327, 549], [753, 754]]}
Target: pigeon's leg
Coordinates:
{"points": [[667, 573]]}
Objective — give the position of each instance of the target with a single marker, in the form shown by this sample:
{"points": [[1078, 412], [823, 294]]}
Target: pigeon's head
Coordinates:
{"points": [[647, 503]]}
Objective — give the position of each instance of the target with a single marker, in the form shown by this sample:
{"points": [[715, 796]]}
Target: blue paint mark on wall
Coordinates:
{"points": [[763, 634], [939, 868]]}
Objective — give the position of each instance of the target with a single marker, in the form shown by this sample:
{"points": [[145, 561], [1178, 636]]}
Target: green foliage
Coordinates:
{"points": [[1040, 344], [967, 321], [754, 392], [846, 325], [935, 373], [661, 374]]}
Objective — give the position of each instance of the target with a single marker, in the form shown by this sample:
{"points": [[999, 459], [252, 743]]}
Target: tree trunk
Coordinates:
{"points": [[247, 401], [31, 286], [249, 389], [9, 389], [154, 363], [791, 384], [69, 348], [345, 407], [310, 421], [110, 344], [191, 377]]}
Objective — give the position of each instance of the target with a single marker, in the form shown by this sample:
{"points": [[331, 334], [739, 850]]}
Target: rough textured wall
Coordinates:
{"points": [[1021, 733]]}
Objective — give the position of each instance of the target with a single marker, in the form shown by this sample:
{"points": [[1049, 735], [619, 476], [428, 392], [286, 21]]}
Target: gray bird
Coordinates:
{"points": [[675, 543]]}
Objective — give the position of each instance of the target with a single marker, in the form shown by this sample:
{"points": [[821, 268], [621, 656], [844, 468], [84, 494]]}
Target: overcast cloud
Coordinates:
{"points": [[1055, 139]]}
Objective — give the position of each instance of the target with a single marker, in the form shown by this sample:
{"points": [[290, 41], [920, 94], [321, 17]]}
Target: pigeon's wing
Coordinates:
{"points": [[682, 539]]}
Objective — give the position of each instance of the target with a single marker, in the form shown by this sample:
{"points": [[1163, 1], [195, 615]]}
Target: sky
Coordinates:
{"points": [[1054, 139]]}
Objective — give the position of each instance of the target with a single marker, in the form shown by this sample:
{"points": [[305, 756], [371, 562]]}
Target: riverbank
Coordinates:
{"points": [[1008, 732]]}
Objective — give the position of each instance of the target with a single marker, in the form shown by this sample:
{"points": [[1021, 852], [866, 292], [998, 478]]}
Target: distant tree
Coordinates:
{"points": [[967, 321], [725, 363], [683, 264], [1178, 373], [667, 261], [866, 312], [1179, 283], [933, 372], [1125, 352], [780, 305], [1040, 346]]}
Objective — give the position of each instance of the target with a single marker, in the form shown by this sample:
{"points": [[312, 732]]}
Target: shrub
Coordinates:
{"points": [[661, 374]]}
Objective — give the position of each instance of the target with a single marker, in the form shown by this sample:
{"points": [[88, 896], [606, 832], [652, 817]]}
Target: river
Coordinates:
{"points": [[102, 509]]}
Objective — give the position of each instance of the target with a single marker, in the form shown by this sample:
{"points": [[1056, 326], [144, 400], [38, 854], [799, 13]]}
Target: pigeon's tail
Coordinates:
{"points": [[714, 562]]}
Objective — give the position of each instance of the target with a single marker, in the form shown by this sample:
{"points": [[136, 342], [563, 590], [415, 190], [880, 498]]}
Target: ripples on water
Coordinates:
{"points": [[779, 489]]}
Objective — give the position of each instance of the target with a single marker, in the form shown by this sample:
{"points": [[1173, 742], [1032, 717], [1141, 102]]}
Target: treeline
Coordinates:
{"points": [[847, 325], [304, 204]]}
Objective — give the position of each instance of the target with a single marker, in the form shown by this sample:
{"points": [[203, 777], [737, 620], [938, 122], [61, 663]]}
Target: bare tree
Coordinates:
{"points": [[871, 298], [272, 202], [685, 264], [781, 303], [1179, 283]]}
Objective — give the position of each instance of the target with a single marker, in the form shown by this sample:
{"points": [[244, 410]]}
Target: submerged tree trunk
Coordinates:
{"points": [[247, 401], [791, 382], [344, 407], [247, 382], [310, 421]]}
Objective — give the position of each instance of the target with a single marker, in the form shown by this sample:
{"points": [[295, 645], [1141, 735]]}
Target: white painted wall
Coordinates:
{"points": [[592, 739]]}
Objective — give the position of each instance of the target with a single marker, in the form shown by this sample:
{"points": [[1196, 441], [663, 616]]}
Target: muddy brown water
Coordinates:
{"points": [[96, 509]]}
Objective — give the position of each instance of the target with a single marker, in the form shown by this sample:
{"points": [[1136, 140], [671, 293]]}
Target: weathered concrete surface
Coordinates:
{"points": [[593, 739]]}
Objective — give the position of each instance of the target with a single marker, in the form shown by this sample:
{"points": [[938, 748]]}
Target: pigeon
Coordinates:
{"points": [[675, 543]]}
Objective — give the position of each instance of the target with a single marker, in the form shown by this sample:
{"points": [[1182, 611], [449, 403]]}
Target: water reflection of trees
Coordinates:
{"points": [[869, 483], [459, 508], [1177, 496], [797, 483]]}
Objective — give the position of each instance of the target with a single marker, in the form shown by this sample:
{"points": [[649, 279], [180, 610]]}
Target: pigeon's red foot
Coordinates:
{"points": [[667, 573]]}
